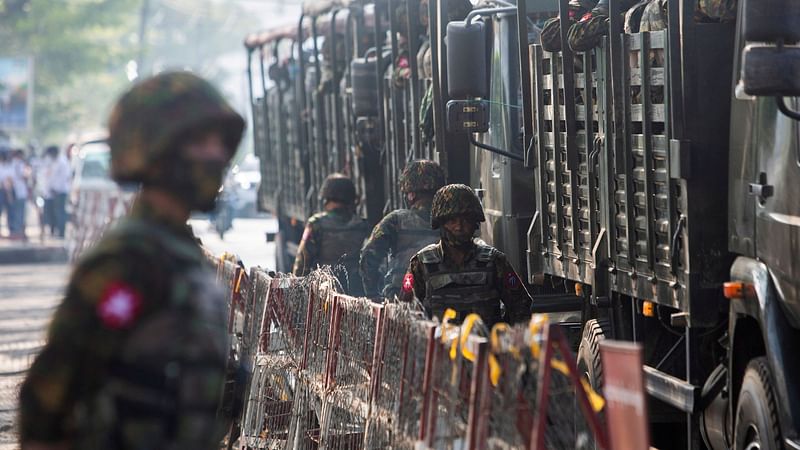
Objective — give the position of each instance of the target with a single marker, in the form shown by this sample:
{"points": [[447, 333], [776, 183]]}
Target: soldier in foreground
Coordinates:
{"points": [[137, 350], [459, 273], [402, 232], [334, 236]]}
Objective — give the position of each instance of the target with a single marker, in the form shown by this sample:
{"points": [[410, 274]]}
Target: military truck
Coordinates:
{"points": [[642, 186]]}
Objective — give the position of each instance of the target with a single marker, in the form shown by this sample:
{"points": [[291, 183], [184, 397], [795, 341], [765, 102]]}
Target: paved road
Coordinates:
{"points": [[28, 296], [247, 239]]}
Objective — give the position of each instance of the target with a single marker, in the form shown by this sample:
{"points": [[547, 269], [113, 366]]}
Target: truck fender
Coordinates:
{"points": [[760, 315]]}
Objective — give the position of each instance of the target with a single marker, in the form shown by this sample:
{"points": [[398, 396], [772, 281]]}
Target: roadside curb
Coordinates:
{"points": [[29, 254]]}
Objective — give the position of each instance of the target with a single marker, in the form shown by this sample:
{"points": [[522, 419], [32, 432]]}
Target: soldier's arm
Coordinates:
{"points": [[104, 299], [413, 282], [374, 253], [512, 291], [307, 251]]}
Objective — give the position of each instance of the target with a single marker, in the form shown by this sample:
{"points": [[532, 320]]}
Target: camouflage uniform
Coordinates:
{"points": [[654, 16], [551, 30], [334, 238], [401, 233], [589, 30], [716, 11], [484, 282], [136, 353]]}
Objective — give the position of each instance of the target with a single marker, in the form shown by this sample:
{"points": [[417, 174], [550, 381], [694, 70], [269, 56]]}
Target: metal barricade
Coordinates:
{"points": [[337, 372]]}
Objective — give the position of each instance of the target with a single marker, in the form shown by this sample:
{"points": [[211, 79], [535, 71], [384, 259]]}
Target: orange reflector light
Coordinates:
{"points": [[648, 309], [738, 289], [579, 289]]}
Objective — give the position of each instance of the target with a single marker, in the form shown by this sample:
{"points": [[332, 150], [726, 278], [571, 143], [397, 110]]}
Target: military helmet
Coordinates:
{"points": [[582, 4], [453, 200], [337, 187], [422, 175], [149, 119]]}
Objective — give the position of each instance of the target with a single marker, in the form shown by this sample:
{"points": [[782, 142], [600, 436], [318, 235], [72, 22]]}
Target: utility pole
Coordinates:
{"points": [[144, 14]]}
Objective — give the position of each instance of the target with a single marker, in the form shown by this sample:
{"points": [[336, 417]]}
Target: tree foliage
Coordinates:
{"points": [[81, 49]]}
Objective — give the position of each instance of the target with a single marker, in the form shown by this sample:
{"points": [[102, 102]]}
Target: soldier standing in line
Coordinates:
{"points": [[334, 236], [136, 353], [459, 273], [402, 232]]}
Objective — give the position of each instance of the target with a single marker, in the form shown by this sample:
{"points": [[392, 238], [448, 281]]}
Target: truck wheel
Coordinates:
{"points": [[589, 365], [757, 410]]}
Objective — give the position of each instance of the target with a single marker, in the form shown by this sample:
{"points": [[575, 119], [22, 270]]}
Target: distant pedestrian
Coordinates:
{"points": [[20, 175], [59, 182], [6, 188], [40, 197]]}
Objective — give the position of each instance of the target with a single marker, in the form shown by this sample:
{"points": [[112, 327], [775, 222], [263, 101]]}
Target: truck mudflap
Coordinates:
{"points": [[779, 339]]}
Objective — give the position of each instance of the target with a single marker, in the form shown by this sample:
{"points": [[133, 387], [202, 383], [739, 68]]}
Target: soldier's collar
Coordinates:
{"points": [[469, 256], [143, 210]]}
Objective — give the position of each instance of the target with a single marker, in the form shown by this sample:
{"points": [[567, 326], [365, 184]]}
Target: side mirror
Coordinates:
{"points": [[466, 60], [771, 70], [772, 21]]}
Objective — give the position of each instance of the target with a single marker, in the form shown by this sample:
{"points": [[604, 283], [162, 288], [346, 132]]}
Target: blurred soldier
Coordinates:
{"points": [[459, 273], [137, 351], [334, 236], [403, 232]]}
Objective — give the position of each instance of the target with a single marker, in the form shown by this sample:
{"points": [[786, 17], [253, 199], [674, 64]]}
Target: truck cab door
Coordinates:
{"points": [[774, 188]]}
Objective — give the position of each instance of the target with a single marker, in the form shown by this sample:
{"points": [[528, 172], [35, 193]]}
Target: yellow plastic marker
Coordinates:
{"points": [[534, 327], [595, 399], [469, 323], [494, 370], [238, 286], [449, 314]]}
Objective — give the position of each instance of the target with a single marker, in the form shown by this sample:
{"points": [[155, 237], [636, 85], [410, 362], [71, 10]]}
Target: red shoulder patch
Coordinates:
{"points": [[119, 306], [512, 281], [408, 282]]}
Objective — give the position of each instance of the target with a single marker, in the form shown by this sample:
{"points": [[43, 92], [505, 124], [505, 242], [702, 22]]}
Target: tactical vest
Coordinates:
{"points": [[165, 383], [414, 232], [470, 289], [340, 244]]}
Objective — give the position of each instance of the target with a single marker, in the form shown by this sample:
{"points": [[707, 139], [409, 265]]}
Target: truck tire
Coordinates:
{"points": [[757, 409], [589, 364]]}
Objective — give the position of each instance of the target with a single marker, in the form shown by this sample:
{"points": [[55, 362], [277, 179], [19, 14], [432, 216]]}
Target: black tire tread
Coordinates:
{"points": [[762, 372], [594, 332]]}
